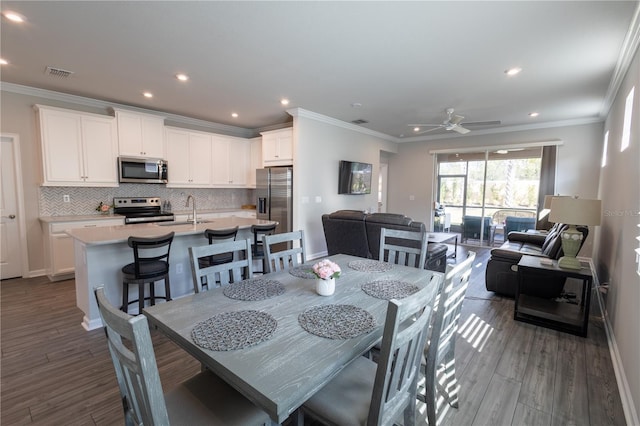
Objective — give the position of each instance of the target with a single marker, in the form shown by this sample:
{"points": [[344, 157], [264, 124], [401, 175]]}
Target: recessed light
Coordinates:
{"points": [[513, 71], [416, 129], [148, 95], [13, 16], [182, 77], [534, 114], [3, 61], [356, 105], [284, 101], [234, 114], [502, 151]]}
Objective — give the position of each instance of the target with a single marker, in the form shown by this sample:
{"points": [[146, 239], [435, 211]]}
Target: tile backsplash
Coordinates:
{"points": [[83, 201]]}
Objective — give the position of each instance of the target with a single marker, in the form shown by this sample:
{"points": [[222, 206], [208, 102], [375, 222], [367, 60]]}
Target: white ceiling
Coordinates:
{"points": [[405, 62]]}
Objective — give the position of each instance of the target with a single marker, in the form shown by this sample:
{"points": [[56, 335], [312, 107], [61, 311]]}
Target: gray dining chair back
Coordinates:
{"points": [[238, 269], [203, 399], [293, 253], [407, 248], [441, 346], [377, 394]]}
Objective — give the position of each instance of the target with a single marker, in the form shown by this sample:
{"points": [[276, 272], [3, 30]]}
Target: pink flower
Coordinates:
{"points": [[104, 208], [326, 269]]}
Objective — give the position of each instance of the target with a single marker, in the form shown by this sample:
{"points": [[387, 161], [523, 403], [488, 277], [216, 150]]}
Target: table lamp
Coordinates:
{"points": [[573, 212]]}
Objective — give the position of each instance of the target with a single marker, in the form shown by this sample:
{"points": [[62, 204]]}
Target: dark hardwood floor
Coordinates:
{"points": [[53, 372]]}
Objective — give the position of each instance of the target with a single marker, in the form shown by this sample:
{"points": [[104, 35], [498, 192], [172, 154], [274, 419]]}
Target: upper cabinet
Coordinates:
{"points": [[277, 147], [230, 162], [255, 162], [140, 135], [189, 158], [78, 149]]}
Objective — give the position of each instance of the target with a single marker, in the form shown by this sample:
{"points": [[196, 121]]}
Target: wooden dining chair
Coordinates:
{"points": [[257, 249], [406, 248], [239, 268], [440, 348], [376, 394], [292, 252], [204, 399]]}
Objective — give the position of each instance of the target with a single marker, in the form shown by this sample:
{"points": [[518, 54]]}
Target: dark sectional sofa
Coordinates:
{"points": [[501, 275], [357, 233]]}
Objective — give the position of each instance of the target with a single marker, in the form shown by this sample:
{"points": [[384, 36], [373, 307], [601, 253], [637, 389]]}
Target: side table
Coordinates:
{"points": [[548, 313]]}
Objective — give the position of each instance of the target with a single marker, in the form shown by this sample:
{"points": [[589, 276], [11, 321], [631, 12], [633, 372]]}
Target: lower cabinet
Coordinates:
{"points": [[58, 249]]}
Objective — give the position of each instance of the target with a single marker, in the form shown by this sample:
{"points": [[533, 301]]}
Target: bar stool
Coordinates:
{"points": [[257, 248], [151, 264], [217, 235]]}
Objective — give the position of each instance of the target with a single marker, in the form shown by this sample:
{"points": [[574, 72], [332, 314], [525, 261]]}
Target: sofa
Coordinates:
{"points": [[501, 275], [358, 234]]}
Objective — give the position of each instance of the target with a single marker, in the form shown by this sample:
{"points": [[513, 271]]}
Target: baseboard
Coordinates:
{"points": [[630, 413]]}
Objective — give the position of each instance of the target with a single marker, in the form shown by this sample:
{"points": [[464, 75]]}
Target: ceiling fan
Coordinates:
{"points": [[453, 122]]}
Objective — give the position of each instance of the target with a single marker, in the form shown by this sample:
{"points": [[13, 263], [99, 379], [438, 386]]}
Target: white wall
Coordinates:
{"points": [[319, 145], [616, 238], [412, 171]]}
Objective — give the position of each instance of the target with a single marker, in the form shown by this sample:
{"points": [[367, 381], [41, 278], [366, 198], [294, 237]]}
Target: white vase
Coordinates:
{"points": [[325, 287]]}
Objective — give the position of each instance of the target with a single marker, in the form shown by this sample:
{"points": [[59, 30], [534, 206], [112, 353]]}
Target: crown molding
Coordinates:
{"points": [[627, 52], [172, 119], [509, 129], [300, 112]]}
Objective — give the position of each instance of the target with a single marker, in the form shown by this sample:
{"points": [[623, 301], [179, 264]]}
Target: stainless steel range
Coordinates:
{"points": [[141, 210]]}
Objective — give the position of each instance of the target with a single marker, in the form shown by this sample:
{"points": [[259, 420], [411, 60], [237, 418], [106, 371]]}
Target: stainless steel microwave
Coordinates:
{"points": [[142, 170]]}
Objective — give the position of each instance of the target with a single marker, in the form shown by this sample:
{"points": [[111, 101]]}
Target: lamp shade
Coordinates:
{"points": [[575, 211]]}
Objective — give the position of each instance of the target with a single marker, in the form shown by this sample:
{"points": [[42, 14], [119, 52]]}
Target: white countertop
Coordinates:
{"points": [[98, 216], [117, 234]]}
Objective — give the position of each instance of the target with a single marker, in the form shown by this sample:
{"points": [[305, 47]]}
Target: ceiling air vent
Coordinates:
{"points": [[359, 121], [57, 72]]}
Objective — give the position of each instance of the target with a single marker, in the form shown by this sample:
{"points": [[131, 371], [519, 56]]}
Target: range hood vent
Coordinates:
{"points": [[57, 72]]}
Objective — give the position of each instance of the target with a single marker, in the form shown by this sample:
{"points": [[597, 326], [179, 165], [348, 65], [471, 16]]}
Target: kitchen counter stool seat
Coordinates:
{"points": [[151, 264], [257, 248]]}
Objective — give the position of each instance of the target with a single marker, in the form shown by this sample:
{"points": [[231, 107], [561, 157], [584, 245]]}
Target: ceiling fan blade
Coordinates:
{"points": [[460, 129], [456, 119], [482, 123], [427, 131]]}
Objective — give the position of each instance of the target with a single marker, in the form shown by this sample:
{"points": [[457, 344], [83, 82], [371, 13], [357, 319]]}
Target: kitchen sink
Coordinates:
{"points": [[184, 222]]}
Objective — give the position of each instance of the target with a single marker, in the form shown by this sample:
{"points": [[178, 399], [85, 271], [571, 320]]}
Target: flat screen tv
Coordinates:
{"points": [[354, 178]]}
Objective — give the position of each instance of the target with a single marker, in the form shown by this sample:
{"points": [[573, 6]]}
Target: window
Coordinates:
{"points": [[605, 148], [626, 128]]}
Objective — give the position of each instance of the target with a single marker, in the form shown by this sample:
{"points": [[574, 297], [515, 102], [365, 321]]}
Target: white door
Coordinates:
{"points": [[382, 188], [10, 242]]}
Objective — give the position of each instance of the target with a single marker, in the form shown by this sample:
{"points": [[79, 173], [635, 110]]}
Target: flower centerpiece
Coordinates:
{"points": [[103, 208], [327, 272]]}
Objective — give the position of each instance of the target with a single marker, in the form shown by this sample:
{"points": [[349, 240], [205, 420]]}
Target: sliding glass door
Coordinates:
{"points": [[489, 184]]}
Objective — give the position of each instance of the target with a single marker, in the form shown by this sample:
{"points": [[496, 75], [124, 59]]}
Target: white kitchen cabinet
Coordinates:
{"points": [[189, 157], [255, 161], [59, 251], [230, 161], [277, 147], [140, 135], [78, 149]]}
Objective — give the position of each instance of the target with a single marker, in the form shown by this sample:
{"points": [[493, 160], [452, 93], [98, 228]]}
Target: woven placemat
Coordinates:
{"points": [[254, 289], [370, 265], [229, 331], [303, 272], [389, 289], [337, 321]]}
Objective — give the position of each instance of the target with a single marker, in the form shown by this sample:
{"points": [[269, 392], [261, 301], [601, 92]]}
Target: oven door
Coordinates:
{"points": [[142, 170]]}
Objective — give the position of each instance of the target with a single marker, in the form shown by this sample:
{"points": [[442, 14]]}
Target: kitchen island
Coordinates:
{"points": [[100, 254]]}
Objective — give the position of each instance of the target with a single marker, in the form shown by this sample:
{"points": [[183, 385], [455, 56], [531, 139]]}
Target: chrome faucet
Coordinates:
{"points": [[195, 219]]}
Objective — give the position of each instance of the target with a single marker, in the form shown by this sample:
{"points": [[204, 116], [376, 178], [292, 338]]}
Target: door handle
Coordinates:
{"points": [[11, 216]]}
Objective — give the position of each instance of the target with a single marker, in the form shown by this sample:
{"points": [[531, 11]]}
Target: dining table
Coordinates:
{"points": [[275, 339]]}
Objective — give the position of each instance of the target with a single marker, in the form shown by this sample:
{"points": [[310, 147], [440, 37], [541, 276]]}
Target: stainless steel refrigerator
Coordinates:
{"points": [[274, 196]]}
